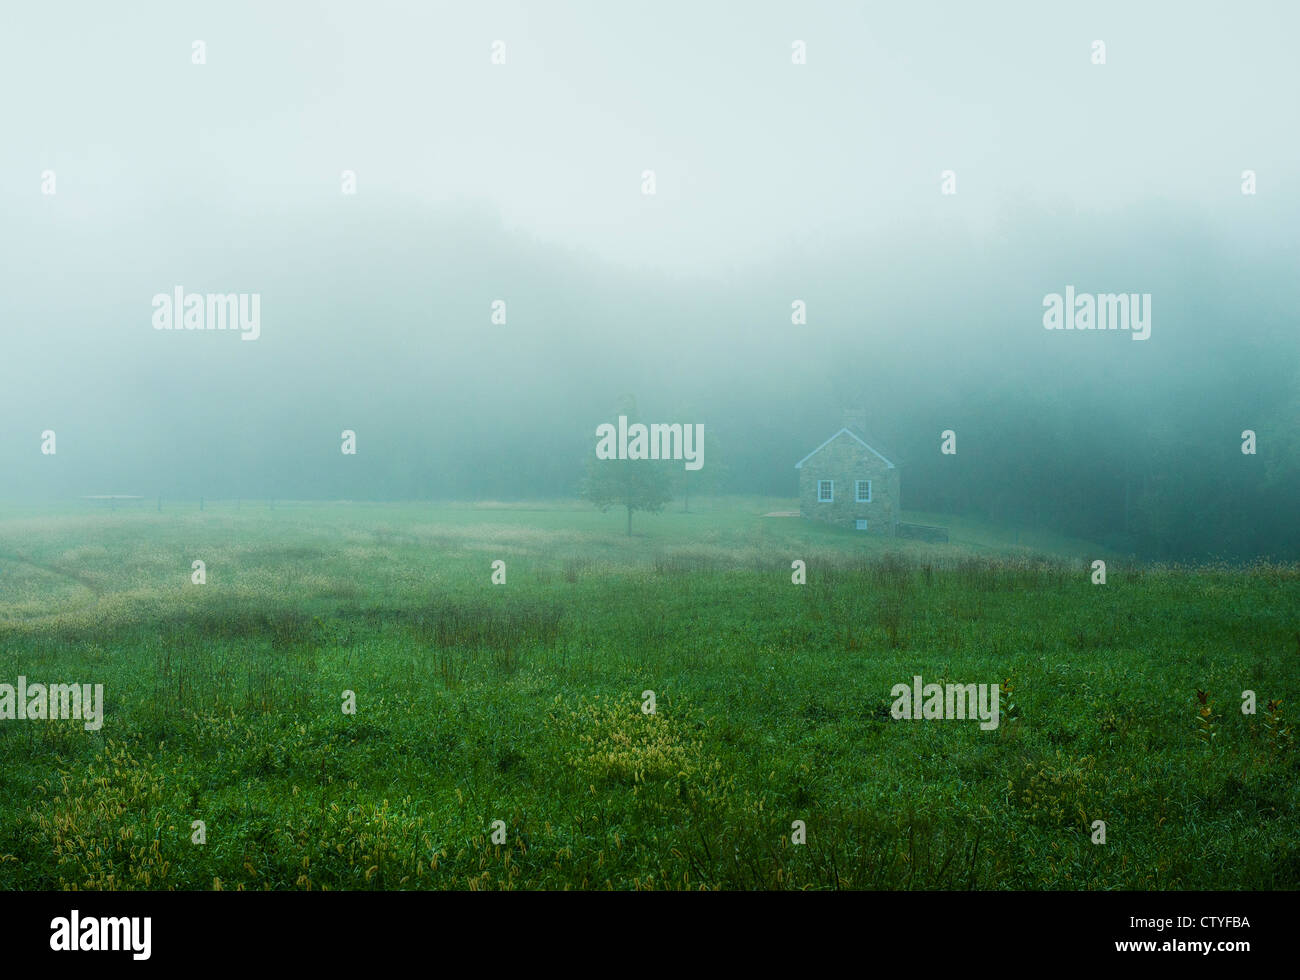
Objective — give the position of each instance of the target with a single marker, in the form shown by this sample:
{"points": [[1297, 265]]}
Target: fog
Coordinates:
{"points": [[523, 182]]}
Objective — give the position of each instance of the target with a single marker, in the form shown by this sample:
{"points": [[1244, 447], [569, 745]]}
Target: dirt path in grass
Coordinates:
{"points": [[97, 591]]}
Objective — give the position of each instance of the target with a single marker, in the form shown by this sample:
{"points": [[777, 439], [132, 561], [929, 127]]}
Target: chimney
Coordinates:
{"points": [[855, 420]]}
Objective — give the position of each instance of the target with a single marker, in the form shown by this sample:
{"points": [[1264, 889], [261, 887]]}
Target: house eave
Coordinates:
{"points": [[799, 465]]}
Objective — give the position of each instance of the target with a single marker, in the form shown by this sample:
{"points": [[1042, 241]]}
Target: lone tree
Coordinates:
{"points": [[637, 484]]}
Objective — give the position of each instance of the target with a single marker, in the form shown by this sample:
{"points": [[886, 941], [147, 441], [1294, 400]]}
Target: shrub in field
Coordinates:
{"points": [[1207, 722], [614, 742], [1054, 792], [1277, 733], [114, 827]]}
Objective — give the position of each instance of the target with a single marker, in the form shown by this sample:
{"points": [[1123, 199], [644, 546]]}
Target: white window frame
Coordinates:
{"points": [[857, 492], [830, 491], [860, 524]]}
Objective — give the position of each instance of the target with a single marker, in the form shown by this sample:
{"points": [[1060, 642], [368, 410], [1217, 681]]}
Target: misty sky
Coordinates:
{"points": [[522, 181], [753, 156]]}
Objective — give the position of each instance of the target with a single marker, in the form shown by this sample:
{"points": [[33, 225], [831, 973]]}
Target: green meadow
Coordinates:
{"points": [[515, 711]]}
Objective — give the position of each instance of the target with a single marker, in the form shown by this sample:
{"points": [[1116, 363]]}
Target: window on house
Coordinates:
{"points": [[861, 523], [825, 491], [863, 488]]}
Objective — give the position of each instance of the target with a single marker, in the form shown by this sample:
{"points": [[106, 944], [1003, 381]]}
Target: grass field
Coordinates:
{"points": [[522, 703]]}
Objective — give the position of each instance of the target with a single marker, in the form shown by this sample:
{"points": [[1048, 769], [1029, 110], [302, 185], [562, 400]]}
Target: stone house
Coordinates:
{"points": [[846, 482]]}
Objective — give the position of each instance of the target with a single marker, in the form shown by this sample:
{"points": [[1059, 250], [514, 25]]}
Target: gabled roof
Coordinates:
{"points": [[851, 435]]}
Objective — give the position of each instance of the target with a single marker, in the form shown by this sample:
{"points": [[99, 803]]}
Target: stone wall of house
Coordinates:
{"points": [[844, 461]]}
